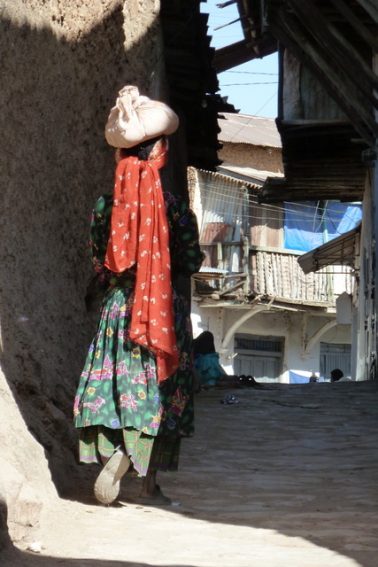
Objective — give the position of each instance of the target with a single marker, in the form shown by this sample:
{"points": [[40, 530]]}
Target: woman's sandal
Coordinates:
{"points": [[108, 482]]}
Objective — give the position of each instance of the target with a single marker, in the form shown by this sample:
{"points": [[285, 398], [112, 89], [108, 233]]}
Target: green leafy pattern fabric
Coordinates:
{"points": [[118, 400]]}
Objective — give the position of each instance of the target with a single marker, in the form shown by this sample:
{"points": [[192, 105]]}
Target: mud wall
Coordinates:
{"points": [[258, 157], [62, 63]]}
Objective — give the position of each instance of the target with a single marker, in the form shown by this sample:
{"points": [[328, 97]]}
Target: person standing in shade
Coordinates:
{"points": [[134, 400], [337, 375], [313, 378], [206, 360]]}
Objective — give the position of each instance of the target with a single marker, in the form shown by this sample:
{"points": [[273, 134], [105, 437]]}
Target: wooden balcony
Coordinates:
{"points": [[236, 272]]}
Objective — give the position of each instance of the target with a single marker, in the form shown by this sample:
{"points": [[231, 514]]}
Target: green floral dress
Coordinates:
{"points": [[119, 402]]}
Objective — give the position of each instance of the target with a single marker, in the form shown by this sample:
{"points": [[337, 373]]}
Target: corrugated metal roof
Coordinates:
{"points": [[341, 250], [247, 174], [210, 270], [230, 180], [224, 202], [247, 129]]}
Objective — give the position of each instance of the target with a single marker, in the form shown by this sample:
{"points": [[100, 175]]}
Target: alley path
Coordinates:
{"points": [[287, 477]]}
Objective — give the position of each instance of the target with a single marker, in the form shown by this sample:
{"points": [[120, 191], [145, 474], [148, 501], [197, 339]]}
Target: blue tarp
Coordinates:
{"points": [[296, 378], [301, 377], [308, 226]]}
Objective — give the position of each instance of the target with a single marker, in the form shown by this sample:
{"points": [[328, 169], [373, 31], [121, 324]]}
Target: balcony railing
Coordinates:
{"points": [[235, 270]]}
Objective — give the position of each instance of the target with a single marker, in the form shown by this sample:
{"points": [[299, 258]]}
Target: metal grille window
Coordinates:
{"points": [[258, 356], [335, 356], [265, 344]]}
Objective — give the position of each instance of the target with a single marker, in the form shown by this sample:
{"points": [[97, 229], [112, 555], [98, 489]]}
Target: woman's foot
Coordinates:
{"points": [[149, 484], [151, 493], [108, 482], [156, 498]]}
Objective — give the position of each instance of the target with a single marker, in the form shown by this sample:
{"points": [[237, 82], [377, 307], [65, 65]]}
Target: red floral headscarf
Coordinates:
{"points": [[139, 235]]}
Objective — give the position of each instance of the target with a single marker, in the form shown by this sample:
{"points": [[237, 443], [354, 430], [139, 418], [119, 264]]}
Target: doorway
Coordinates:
{"points": [[258, 356]]}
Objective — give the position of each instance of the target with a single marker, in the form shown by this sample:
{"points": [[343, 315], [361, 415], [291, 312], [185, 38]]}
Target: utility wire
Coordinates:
{"points": [[246, 189], [269, 205], [267, 102], [277, 214], [276, 210]]}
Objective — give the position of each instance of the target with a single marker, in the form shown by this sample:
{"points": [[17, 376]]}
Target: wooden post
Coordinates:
{"points": [[245, 265], [373, 371], [219, 255]]}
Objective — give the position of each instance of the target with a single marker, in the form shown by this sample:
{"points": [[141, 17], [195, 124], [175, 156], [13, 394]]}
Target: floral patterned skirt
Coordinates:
{"points": [[119, 402]]}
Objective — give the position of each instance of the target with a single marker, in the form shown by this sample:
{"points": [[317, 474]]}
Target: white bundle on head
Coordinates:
{"points": [[136, 118]]}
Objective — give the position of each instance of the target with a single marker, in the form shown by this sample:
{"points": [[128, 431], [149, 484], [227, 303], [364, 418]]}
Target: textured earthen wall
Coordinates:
{"points": [[258, 157], [61, 64]]}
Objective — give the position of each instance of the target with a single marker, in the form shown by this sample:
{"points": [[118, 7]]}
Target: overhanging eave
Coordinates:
{"points": [[340, 251]]}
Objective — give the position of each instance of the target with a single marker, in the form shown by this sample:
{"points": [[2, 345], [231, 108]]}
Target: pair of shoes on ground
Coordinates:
{"points": [[108, 483], [247, 380]]}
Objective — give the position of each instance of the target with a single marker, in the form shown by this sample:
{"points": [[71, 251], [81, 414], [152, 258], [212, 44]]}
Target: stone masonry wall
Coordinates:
{"points": [[62, 63]]}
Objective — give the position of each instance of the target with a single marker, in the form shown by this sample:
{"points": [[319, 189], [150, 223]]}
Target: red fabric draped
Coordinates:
{"points": [[139, 235]]}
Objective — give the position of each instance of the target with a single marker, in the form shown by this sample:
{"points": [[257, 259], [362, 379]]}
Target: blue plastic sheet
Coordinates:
{"points": [[302, 377], [307, 226], [296, 378]]}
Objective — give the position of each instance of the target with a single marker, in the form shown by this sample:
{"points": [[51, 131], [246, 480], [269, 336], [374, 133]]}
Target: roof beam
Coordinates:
{"points": [[330, 44], [356, 23], [371, 8], [225, 4], [240, 52], [273, 192], [341, 88], [359, 61]]}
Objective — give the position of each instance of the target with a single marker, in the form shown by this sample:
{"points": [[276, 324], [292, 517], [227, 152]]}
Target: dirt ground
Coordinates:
{"points": [[286, 477]]}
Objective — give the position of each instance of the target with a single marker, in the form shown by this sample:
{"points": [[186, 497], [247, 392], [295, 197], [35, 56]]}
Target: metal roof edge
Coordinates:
{"points": [[309, 261], [230, 179]]}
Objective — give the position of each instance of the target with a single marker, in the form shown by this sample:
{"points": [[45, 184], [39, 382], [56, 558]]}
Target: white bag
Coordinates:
{"points": [[136, 118]]}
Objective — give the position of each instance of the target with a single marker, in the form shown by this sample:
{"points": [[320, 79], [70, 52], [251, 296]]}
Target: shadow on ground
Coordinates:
{"points": [[19, 559], [298, 460]]}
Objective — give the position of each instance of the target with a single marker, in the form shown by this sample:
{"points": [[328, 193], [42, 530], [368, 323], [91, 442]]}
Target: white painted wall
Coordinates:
{"points": [[363, 303], [293, 327]]}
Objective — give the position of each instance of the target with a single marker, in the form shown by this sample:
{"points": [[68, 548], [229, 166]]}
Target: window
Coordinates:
{"points": [[335, 356], [258, 356]]}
